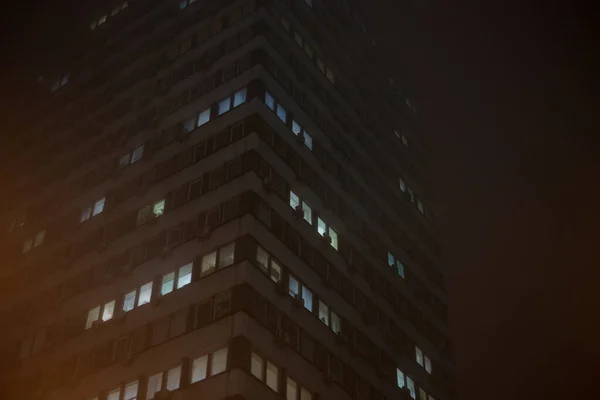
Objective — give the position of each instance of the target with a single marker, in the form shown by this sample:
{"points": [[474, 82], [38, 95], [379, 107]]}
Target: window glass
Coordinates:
{"points": [[137, 154], [27, 245], [272, 376], [239, 97], [308, 142], [39, 238], [256, 366], [391, 260], [298, 38], [428, 365], [108, 311], [209, 262], [199, 366], [114, 395], [334, 238], [269, 101], [402, 184], [224, 105], [336, 323], [400, 268], [167, 283], [281, 113], [185, 276], [145, 294], [420, 206], [158, 208], [321, 65], [99, 206], [189, 125], [226, 255], [129, 301], [419, 356], [291, 391], [294, 200], [173, 378], [154, 385], [124, 160], [324, 313], [92, 317], [422, 394], [85, 214], [102, 20], [293, 287], [131, 391], [308, 50], [296, 128], [305, 394], [275, 271], [307, 296], [307, 212], [410, 385], [218, 362], [330, 75], [262, 257], [400, 378], [204, 117], [321, 227]]}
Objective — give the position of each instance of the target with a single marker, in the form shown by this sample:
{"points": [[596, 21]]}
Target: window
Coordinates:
{"points": [[296, 128], [285, 23], [224, 106], [294, 200], [275, 271], [410, 385], [114, 394], [39, 238], [323, 230], [203, 117], [209, 262], [102, 20], [321, 65], [131, 391], [305, 394], [308, 141], [184, 276], [281, 113], [419, 356], [114, 11], [298, 38], [92, 317], [293, 287], [124, 160], [396, 264], [428, 367], [99, 206], [218, 362], [199, 367], [420, 206], [85, 214], [174, 378], [422, 394], [404, 141], [330, 76], [297, 291], [324, 313], [321, 227], [402, 184], [256, 366], [27, 245], [154, 385], [272, 376], [336, 323], [307, 212], [308, 50], [129, 301], [400, 378], [158, 208], [291, 391], [167, 283], [262, 257], [145, 294], [239, 97], [226, 255], [270, 101], [108, 311], [307, 298], [309, 2], [137, 154]]}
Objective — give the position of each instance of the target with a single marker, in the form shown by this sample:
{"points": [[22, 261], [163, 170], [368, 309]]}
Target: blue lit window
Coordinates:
{"points": [[204, 117], [270, 101], [308, 142], [281, 113], [239, 97], [224, 105], [296, 128]]}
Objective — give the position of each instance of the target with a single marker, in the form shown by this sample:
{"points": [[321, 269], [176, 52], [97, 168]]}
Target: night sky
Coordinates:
{"points": [[505, 93]]}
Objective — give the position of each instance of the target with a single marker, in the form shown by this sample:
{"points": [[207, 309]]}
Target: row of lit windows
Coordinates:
{"points": [[281, 113], [60, 83], [303, 210], [103, 18], [132, 157], [34, 242], [406, 382], [271, 375], [414, 199], [225, 105]]}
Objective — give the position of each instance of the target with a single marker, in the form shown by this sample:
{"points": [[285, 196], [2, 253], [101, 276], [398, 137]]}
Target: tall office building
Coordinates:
{"points": [[222, 200]]}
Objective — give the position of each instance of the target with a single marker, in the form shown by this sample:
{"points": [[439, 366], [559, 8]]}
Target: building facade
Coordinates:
{"points": [[228, 202]]}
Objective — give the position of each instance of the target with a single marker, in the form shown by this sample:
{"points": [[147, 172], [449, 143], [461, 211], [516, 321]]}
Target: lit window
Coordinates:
{"points": [[428, 367], [108, 311], [131, 391], [305, 394], [420, 206], [143, 215], [199, 366], [308, 141], [85, 214], [307, 298], [189, 125], [99, 206], [270, 101], [296, 128], [412, 195], [275, 271], [154, 385], [39, 238], [158, 208], [321, 65], [291, 389], [321, 227], [55, 86], [419, 356], [182, 4], [174, 378], [137, 154], [102, 20], [272, 378], [226, 255], [256, 366], [129, 301], [334, 238], [281, 113], [285, 23], [324, 313], [294, 200], [114, 395], [298, 39], [400, 268], [114, 11], [294, 290], [308, 50], [203, 117], [422, 394], [145, 294], [185, 276], [336, 323], [402, 184], [391, 259], [307, 212], [239, 97], [27, 245], [65, 80], [262, 257], [218, 362], [410, 385], [404, 140], [400, 378], [167, 283], [209, 263], [330, 75], [224, 106], [124, 160], [93, 25], [92, 317]]}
